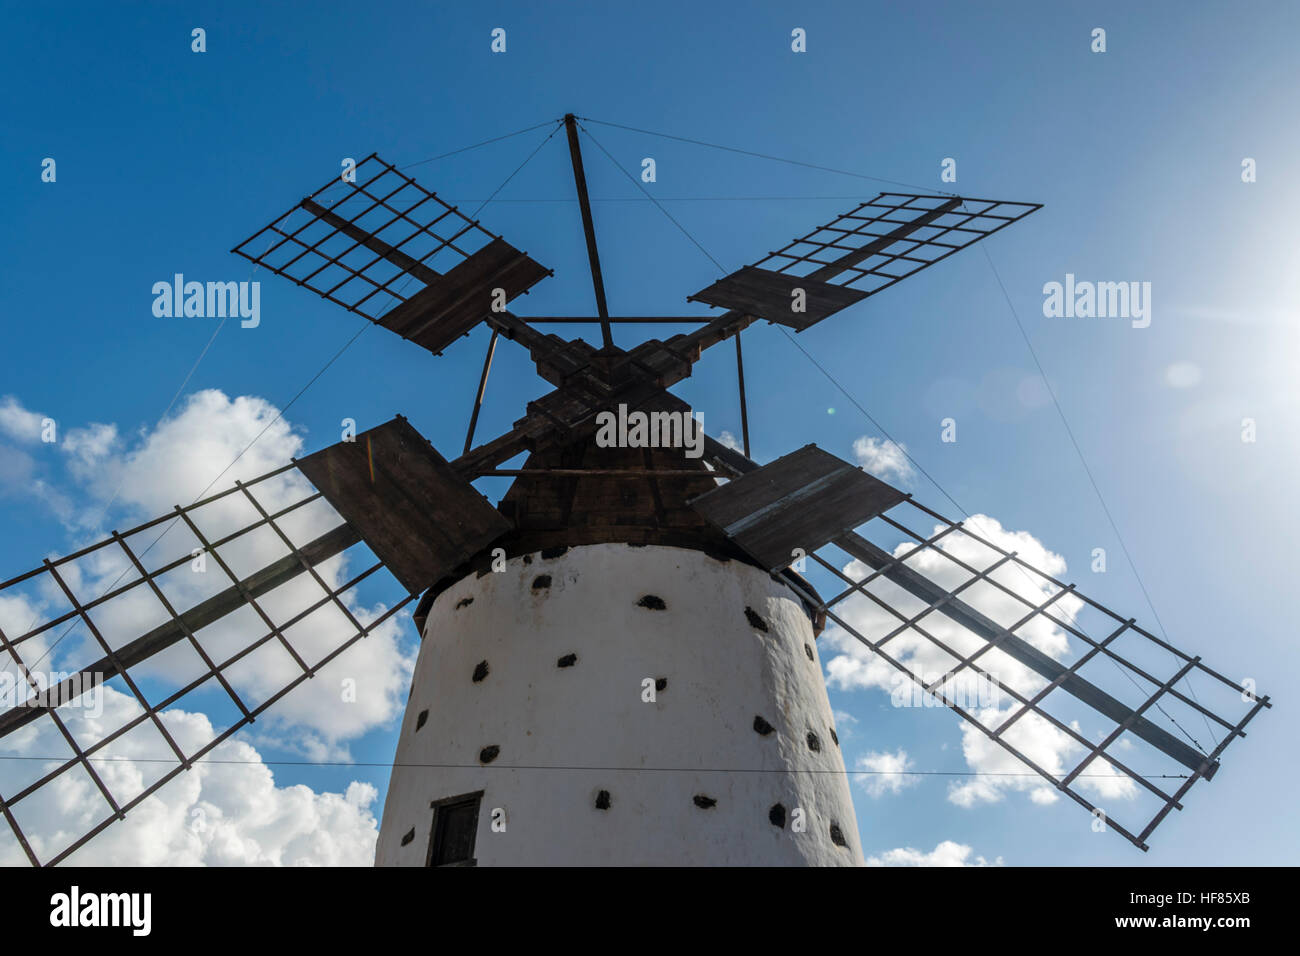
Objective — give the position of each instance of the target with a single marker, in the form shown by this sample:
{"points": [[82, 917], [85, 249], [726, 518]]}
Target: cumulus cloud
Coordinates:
{"points": [[177, 462], [885, 459], [19, 423], [946, 853], [885, 773], [730, 440], [853, 666], [226, 811], [359, 691]]}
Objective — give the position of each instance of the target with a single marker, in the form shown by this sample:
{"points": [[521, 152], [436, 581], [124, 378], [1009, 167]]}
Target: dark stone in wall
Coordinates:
{"points": [[541, 582], [488, 754], [602, 800], [652, 602], [762, 726], [480, 671], [568, 660], [705, 803], [776, 816], [837, 836], [421, 718], [756, 622]]}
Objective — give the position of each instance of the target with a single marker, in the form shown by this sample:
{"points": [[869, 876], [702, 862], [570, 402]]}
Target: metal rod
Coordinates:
{"points": [[583, 472], [744, 409], [589, 228], [616, 319], [482, 386]]}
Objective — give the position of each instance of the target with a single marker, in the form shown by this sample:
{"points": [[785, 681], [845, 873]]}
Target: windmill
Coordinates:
{"points": [[618, 660]]}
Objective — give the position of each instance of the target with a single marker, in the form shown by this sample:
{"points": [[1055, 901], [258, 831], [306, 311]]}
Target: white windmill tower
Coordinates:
{"points": [[618, 661]]}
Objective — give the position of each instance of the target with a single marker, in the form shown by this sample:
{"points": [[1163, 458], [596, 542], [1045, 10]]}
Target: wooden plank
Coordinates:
{"points": [[464, 295], [414, 511], [770, 295], [802, 500]]}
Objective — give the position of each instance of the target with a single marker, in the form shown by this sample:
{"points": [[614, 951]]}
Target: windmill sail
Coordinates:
{"points": [[1100, 708], [864, 251], [360, 244], [222, 608]]}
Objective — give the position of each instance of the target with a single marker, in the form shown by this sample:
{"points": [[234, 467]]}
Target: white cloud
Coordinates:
{"points": [[87, 448], [145, 476], [853, 666], [946, 853], [18, 422], [886, 773], [731, 442], [883, 458], [175, 463], [17, 471], [224, 812]]}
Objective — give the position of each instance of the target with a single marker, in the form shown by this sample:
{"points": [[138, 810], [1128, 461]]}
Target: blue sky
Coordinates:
{"points": [[166, 159]]}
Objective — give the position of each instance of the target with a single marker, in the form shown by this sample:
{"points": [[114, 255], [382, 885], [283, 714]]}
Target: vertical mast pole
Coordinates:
{"points": [[588, 227]]}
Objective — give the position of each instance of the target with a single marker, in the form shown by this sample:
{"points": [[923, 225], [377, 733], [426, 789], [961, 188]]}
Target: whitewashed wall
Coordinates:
{"points": [[696, 739]]}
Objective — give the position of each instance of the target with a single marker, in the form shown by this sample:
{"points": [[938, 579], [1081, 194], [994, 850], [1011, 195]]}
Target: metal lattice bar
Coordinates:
{"points": [[429, 218], [1050, 718], [307, 565], [194, 685], [1009, 632], [121, 671], [79, 757], [1127, 723], [222, 737], [893, 563], [1072, 627], [1060, 678], [248, 597], [987, 675], [180, 622], [937, 227], [1010, 748], [157, 572]]}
